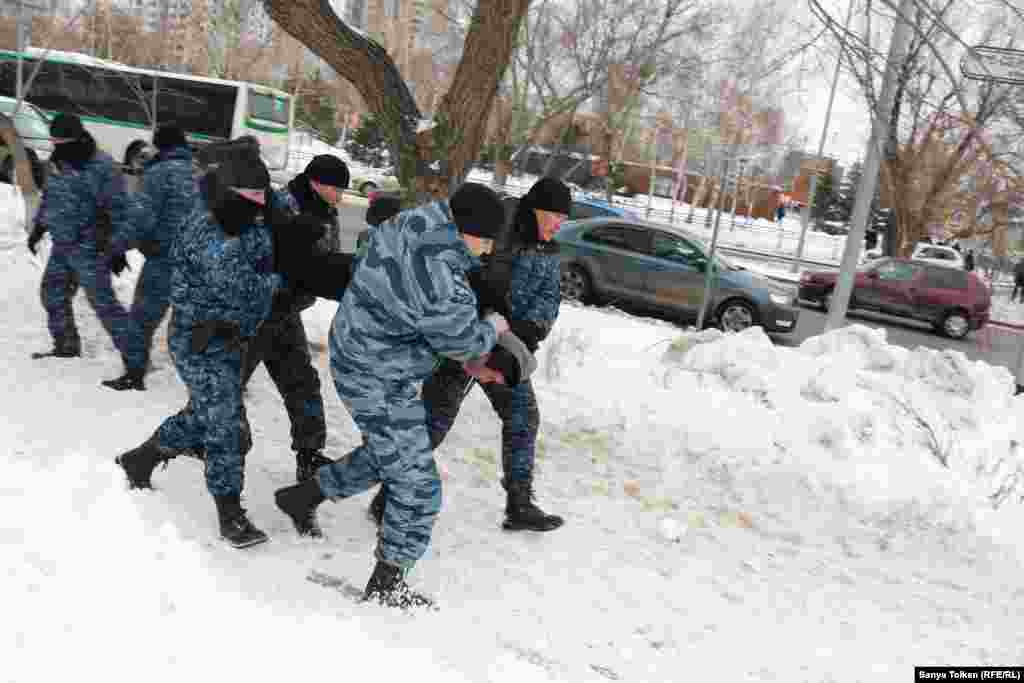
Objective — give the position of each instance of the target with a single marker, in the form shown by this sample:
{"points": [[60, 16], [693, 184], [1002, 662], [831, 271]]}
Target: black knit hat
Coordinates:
{"points": [[478, 210], [382, 209], [328, 170], [549, 194], [168, 136], [66, 128]]}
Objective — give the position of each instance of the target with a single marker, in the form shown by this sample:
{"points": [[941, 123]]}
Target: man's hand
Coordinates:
{"points": [[499, 322], [477, 369]]}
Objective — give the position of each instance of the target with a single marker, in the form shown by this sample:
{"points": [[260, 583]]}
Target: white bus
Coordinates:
{"points": [[121, 104]]}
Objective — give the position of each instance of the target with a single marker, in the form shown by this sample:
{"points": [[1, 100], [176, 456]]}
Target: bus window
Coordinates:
{"points": [[268, 107], [206, 109]]}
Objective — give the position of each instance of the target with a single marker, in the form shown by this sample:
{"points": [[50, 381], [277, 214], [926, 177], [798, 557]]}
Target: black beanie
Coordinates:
{"points": [[67, 127], [382, 209], [478, 211], [168, 136], [549, 194], [328, 170]]}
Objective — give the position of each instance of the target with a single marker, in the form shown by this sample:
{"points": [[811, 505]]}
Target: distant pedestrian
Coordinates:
{"points": [[969, 260], [1018, 282]]}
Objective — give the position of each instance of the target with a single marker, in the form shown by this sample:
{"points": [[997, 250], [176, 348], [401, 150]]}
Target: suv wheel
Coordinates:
{"points": [[735, 316], [956, 325], [576, 284]]}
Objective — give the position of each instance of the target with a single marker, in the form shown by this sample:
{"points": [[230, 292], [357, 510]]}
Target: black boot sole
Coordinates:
{"points": [[133, 484], [246, 544], [39, 355], [511, 525]]}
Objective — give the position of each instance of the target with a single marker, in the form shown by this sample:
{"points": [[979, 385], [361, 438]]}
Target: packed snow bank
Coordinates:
{"points": [[892, 436]]}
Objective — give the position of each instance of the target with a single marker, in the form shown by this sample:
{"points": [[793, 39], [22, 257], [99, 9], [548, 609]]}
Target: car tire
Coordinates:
{"points": [[367, 188], [955, 324], [576, 285], [736, 315]]}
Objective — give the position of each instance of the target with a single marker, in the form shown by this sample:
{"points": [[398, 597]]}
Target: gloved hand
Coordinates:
{"points": [[118, 264], [499, 322], [477, 368], [33, 239]]}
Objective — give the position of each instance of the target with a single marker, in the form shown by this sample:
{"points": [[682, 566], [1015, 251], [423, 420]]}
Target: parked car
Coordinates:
{"points": [[953, 301], [34, 130], [375, 179], [938, 254], [587, 207], [626, 260]]}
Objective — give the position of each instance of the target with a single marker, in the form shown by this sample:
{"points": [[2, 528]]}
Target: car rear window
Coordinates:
{"points": [[945, 278]]}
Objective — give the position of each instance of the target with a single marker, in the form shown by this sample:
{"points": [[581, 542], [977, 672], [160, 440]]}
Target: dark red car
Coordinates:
{"points": [[952, 300]]}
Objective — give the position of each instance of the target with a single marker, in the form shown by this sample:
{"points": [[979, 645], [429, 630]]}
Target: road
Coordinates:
{"points": [[994, 345]]}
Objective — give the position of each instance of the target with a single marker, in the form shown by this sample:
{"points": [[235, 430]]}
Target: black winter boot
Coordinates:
{"points": [[131, 379], [61, 349], [522, 514], [376, 510], [235, 527], [307, 462], [138, 464], [387, 587], [300, 502]]}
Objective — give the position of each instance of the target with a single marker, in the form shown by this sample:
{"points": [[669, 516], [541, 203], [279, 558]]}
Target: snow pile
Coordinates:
{"points": [[844, 420]]}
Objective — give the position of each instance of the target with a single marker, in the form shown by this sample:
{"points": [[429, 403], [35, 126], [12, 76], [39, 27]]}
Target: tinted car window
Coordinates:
{"points": [[945, 278], [898, 271], [939, 254], [631, 239], [675, 249], [580, 211]]}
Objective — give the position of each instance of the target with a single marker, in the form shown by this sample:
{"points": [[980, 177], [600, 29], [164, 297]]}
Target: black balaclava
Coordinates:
{"points": [[382, 209], [233, 211], [76, 146], [309, 201]]}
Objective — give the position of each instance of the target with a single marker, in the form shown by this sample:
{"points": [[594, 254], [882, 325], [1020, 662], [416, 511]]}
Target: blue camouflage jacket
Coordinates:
{"points": [[222, 278], [74, 204], [169, 195], [535, 292], [409, 301]]}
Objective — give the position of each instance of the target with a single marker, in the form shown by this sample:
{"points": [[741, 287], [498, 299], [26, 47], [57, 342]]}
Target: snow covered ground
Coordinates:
{"points": [[736, 511]]}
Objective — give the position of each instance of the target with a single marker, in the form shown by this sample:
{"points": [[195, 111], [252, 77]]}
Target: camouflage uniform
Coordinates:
{"points": [[282, 346], [407, 303], [169, 195], [531, 307], [227, 280], [75, 208]]}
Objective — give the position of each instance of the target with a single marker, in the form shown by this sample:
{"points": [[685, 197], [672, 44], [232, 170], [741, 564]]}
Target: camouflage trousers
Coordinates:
{"points": [[65, 272], [214, 421], [151, 299], [516, 406], [395, 451], [282, 346]]}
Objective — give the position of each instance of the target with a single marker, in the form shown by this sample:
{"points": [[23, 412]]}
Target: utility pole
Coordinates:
{"points": [[805, 215], [869, 180]]}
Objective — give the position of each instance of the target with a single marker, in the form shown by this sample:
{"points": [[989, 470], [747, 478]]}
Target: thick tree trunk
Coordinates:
{"points": [[459, 127]]}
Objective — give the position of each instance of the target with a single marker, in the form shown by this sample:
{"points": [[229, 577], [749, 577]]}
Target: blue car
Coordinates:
{"points": [[621, 260], [595, 208]]}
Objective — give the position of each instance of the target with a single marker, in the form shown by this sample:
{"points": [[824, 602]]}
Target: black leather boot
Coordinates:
{"points": [[131, 379], [387, 586], [235, 527], [300, 503], [138, 464], [307, 462], [522, 514]]}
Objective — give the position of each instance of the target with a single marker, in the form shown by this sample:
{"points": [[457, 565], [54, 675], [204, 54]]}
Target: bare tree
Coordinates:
{"points": [[938, 150], [458, 128]]}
